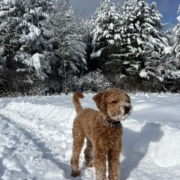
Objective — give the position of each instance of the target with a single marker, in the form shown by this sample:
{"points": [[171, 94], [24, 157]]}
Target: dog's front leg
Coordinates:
{"points": [[113, 164], [100, 164]]}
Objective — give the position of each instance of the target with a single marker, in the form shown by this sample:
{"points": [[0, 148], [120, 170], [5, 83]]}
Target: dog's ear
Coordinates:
{"points": [[100, 100]]}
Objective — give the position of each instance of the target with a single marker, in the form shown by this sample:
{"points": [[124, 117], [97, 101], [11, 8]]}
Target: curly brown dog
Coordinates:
{"points": [[103, 131]]}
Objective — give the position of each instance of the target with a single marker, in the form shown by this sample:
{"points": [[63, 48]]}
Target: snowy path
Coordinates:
{"points": [[45, 143], [36, 140], [23, 156], [46, 129]]}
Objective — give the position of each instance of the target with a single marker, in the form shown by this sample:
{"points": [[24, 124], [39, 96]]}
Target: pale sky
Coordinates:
{"points": [[168, 8]]}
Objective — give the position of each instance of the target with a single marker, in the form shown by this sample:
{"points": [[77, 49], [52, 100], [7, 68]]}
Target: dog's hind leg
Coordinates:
{"points": [[87, 154], [78, 140]]}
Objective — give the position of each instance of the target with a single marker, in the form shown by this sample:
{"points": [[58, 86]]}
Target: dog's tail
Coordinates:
{"points": [[76, 102]]}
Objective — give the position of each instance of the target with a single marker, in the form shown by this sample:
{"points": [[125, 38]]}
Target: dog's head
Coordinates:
{"points": [[114, 104]]}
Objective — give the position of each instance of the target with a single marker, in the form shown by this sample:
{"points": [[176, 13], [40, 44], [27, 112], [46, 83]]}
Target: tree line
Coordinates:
{"points": [[46, 48]]}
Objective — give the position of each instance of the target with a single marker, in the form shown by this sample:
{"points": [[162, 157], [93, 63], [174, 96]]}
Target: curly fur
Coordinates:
{"points": [[114, 105]]}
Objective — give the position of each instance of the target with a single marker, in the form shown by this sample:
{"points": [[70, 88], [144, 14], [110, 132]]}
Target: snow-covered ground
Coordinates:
{"points": [[36, 142]]}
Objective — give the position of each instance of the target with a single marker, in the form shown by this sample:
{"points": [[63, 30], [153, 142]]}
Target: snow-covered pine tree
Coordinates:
{"points": [[143, 39], [67, 52], [22, 47], [177, 41], [88, 25], [106, 36], [168, 65], [171, 65]]}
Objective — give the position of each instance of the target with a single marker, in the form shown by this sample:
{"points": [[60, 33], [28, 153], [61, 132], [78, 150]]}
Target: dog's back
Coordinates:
{"points": [[85, 118]]}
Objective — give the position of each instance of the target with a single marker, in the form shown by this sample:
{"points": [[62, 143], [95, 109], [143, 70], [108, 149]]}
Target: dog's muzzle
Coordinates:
{"points": [[125, 111]]}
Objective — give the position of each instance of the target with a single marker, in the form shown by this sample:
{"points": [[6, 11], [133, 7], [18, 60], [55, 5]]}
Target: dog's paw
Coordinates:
{"points": [[75, 173]]}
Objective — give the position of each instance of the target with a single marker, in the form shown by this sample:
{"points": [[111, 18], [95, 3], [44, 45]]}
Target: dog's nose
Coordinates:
{"points": [[126, 109]]}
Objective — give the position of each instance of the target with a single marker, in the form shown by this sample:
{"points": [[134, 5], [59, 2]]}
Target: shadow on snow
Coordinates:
{"points": [[135, 146]]}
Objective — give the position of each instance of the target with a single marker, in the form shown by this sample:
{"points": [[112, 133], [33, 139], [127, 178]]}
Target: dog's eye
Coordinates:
{"points": [[113, 102]]}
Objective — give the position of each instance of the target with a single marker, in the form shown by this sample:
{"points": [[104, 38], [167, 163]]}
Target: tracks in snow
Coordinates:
{"points": [[48, 135]]}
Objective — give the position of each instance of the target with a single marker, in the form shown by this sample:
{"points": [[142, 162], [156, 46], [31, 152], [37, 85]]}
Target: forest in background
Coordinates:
{"points": [[46, 48]]}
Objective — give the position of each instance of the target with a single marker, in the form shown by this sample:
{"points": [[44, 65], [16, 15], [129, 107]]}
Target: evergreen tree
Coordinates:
{"points": [[106, 36], [87, 27], [21, 39], [143, 40], [177, 41], [169, 64], [66, 48]]}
